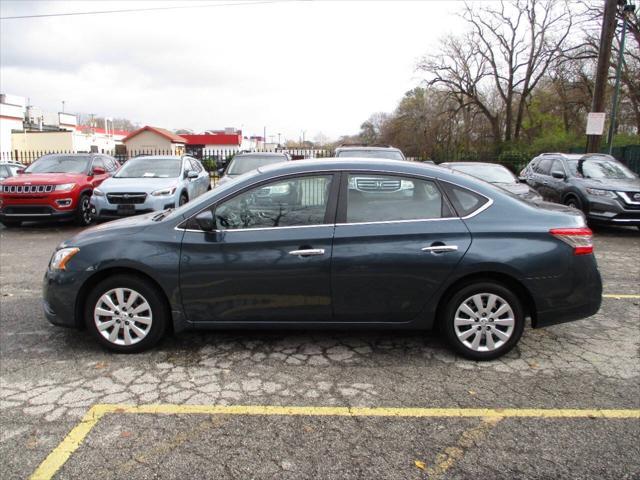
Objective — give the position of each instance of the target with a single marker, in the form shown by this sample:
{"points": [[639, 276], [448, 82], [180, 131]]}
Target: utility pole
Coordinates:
{"points": [[602, 71]]}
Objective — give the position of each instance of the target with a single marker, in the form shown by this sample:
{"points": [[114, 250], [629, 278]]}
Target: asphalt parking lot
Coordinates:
{"points": [[368, 405]]}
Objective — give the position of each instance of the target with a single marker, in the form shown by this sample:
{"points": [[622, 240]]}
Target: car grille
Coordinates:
{"points": [[27, 210], [375, 185], [28, 188], [126, 198], [629, 198]]}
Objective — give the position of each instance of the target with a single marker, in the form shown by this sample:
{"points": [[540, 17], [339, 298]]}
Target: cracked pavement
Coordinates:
{"points": [[50, 376]]}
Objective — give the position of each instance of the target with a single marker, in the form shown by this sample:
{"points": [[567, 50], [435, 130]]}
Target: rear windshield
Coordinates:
{"points": [[245, 163], [488, 173], [60, 164], [150, 167], [388, 154], [601, 169]]}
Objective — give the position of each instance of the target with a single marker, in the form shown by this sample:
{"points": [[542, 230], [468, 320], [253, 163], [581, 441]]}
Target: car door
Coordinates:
{"points": [[541, 175], [269, 258], [397, 240], [97, 178], [555, 186], [205, 181]]}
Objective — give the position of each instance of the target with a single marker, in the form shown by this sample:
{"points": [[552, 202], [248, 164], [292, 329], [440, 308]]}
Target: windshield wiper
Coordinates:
{"points": [[162, 214]]}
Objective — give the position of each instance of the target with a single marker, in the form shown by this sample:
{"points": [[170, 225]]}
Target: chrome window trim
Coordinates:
{"points": [[484, 207], [627, 199]]}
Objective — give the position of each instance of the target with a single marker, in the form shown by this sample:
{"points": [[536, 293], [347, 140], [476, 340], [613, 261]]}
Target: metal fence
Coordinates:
{"points": [[212, 160]]}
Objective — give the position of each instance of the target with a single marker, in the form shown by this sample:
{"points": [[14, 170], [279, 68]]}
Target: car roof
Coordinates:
{"points": [[482, 164], [366, 147], [260, 154]]}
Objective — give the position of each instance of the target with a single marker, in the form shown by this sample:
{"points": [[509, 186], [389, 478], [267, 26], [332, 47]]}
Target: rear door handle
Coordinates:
{"points": [[441, 249], [309, 252]]}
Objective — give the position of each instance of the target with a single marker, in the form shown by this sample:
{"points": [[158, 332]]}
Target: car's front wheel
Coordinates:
{"points": [[126, 313], [83, 215], [483, 321]]}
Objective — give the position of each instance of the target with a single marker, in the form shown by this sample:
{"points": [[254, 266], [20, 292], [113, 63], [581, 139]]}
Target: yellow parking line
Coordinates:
{"points": [[619, 296], [57, 458]]}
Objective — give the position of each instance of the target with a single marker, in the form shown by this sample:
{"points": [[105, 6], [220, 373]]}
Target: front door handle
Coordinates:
{"points": [[441, 248], [308, 252]]}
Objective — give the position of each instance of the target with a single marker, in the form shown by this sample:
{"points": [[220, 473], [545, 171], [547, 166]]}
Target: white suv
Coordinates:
{"points": [[369, 151]]}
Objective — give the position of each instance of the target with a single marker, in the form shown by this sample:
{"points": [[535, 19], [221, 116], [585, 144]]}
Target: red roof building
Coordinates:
{"points": [[214, 140]]}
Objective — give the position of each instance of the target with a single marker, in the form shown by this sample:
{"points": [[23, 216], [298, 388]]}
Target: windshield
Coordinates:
{"points": [[59, 164], [150, 167], [601, 169], [245, 163], [389, 154], [488, 173]]}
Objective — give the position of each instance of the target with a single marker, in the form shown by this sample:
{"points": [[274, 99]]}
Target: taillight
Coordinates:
{"points": [[581, 239]]}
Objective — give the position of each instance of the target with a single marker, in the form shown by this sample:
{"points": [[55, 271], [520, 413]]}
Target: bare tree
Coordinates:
{"points": [[508, 50]]}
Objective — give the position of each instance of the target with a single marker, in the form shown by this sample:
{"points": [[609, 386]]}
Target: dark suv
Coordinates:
{"points": [[599, 185]]}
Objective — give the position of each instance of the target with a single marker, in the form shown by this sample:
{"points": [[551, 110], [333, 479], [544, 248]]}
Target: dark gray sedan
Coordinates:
{"points": [[361, 244]]}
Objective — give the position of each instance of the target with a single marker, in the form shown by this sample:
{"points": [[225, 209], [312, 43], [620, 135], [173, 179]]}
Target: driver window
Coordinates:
{"points": [[99, 163], [285, 203]]}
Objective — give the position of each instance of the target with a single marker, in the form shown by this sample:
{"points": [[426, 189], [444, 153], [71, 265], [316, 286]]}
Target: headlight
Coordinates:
{"points": [[596, 192], [164, 192], [65, 187], [352, 182], [98, 193], [406, 184], [61, 258]]}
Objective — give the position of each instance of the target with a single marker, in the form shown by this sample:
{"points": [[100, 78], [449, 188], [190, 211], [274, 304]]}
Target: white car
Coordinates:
{"points": [[147, 184]]}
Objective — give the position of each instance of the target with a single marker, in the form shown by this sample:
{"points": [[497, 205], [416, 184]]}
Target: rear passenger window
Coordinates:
{"points": [[543, 166], [464, 201], [386, 198]]}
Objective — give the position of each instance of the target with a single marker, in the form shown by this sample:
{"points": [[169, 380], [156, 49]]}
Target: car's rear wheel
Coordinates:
{"points": [[84, 216], [11, 223], [126, 314], [483, 321]]}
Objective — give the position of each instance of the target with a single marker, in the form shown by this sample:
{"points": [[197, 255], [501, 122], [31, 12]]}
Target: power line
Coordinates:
{"points": [[129, 10]]}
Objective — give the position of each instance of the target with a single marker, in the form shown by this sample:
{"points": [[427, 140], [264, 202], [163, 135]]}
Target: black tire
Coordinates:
{"points": [[574, 202], [147, 292], [83, 215], [11, 223], [468, 291], [183, 199]]}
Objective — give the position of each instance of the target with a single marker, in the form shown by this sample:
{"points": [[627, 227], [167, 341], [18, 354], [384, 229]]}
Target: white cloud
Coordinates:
{"points": [[290, 66]]}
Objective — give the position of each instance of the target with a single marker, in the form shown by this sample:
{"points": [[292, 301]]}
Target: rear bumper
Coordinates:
{"points": [[573, 296]]}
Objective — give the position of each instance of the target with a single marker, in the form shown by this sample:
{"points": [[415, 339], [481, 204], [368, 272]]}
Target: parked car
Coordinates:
{"points": [[498, 175], [150, 183], [54, 187], [10, 169], [598, 185], [453, 254], [369, 151], [245, 162]]}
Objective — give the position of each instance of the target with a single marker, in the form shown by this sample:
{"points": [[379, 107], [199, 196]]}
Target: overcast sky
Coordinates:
{"points": [[318, 66]]}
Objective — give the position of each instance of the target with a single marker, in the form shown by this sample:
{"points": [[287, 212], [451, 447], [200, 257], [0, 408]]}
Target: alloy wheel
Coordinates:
{"points": [[484, 322], [123, 316], [85, 207]]}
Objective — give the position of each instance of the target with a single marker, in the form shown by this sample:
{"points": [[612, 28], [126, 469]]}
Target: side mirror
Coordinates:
{"points": [[522, 179], [558, 174], [220, 171], [20, 171], [192, 174], [98, 171], [206, 221]]}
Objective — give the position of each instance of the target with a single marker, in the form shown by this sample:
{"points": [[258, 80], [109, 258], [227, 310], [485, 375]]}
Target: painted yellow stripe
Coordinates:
{"points": [[74, 439], [619, 296], [170, 409], [57, 458]]}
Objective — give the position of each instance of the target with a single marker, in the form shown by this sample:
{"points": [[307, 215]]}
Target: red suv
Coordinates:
{"points": [[56, 186]]}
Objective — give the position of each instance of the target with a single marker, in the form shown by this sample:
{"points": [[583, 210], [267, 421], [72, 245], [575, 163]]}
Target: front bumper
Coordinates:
{"points": [[39, 206], [34, 213], [609, 211], [59, 297], [104, 210]]}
